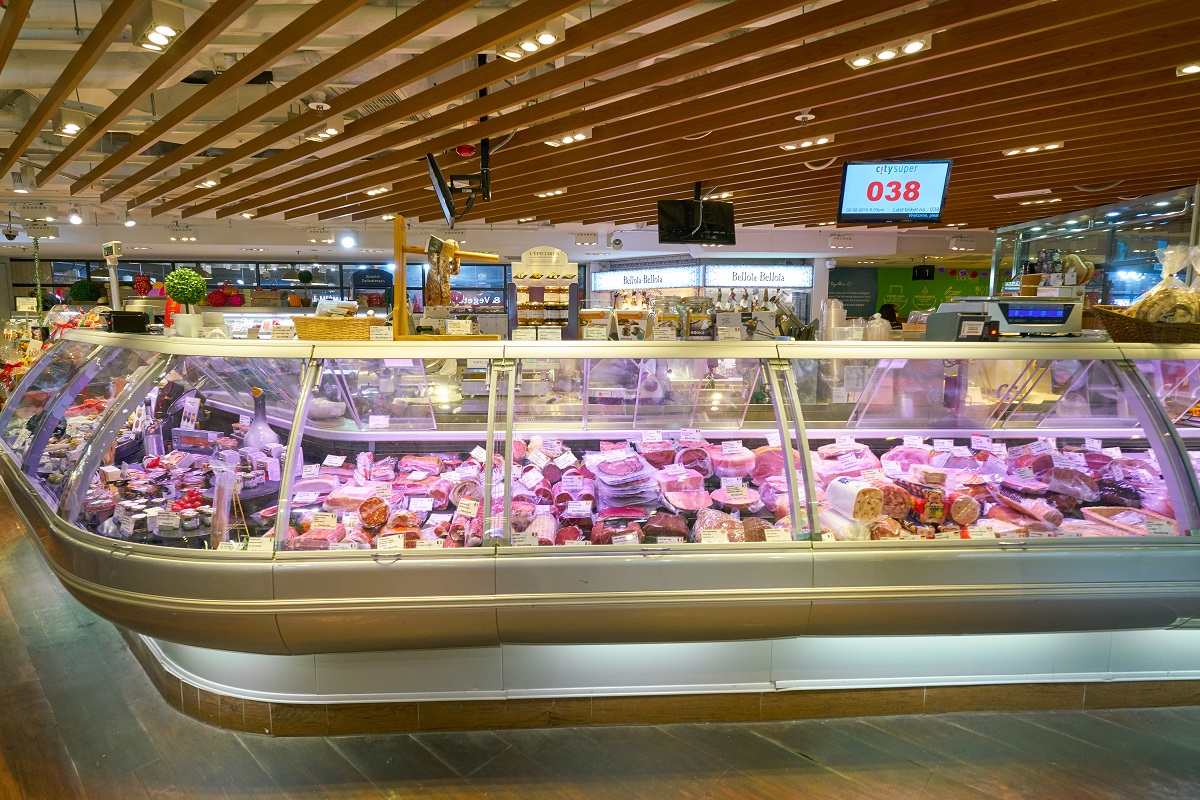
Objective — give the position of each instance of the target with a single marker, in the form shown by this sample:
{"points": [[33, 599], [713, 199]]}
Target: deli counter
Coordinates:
{"points": [[308, 497]]}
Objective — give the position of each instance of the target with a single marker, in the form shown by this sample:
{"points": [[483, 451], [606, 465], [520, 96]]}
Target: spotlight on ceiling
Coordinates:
{"points": [[891, 51], [348, 240], [74, 216], [156, 24], [68, 122], [24, 180], [124, 217], [534, 40], [570, 138], [334, 126], [180, 232]]}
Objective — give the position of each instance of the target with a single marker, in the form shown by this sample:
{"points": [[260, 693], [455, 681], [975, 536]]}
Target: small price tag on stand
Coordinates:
{"points": [[381, 333], [468, 507]]}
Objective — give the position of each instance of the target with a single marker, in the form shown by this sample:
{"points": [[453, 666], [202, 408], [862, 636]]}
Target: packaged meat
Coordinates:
{"points": [[927, 475], [1072, 483], [1119, 493], [373, 512], [663, 524], [925, 530], [672, 481], [905, 456], [691, 500], [469, 488], [825, 470], [657, 454], [928, 510], [1035, 507], [543, 526], [614, 531], [321, 484], [883, 528], [623, 512], [567, 534], [769, 462], [351, 496], [856, 499], [695, 458], [722, 498], [736, 464], [1026, 485], [834, 450], [839, 527], [755, 529], [896, 502], [962, 509], [431, 465], [723, 525]]}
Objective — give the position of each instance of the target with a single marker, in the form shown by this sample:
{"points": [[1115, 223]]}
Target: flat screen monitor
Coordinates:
{"points": [[677, 223], [893, 191], [441, 189]]}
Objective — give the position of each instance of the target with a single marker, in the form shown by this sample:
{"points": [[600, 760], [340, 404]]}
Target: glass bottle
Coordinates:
{"points": [[259, 434]]}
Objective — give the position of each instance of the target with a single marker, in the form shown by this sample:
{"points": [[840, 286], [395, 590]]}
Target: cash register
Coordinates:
{"points": [[981, 319]]}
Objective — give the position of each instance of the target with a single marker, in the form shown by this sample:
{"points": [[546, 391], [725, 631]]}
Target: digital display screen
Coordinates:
{"points": [[893, 191], [1036, 315]]}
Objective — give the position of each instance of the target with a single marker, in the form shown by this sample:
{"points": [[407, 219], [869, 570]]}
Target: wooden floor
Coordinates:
{"points": [[79, 719]]}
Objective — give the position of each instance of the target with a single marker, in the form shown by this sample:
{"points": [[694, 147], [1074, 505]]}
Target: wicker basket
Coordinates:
{"points": [[353, 328], [1106, 515], [1124, 328]]}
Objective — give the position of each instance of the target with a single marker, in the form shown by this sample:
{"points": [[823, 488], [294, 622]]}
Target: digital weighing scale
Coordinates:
{"points": [[1024, 316]]}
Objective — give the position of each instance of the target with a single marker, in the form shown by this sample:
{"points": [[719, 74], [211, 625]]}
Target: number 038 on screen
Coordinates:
{"points": [[893, 191]]}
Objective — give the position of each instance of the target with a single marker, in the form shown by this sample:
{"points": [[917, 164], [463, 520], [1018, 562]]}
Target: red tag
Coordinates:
{"points": [[172, 309]]}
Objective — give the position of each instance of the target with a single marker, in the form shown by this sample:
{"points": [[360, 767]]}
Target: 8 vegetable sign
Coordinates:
{"points": [[893, 192]]}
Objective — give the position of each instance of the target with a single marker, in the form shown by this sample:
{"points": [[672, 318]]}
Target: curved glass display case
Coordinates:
{"points": [[291, 497]]}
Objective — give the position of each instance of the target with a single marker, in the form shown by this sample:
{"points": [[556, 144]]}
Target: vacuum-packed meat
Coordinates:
{"points": [[695, 458], [856, 499], [736, 464]]}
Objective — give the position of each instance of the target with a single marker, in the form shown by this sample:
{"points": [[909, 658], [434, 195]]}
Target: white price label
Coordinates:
{"points": [[773, 438], [244, 419], [272, 469], [1112, 452], [847, 461], [1143, 477], [522, 539], [552, 447], [342, 546], [310, 471], [1158, 527], [381, 333], [674, 469], [725, 334], [127, 525], [1050, 440], [324, 521], [980, 442], [378, 422], [1061, 461], [383, 491], [961, 452], [1118, 474], [690, 436], [549, 333], [665, 333], [438, 519], [191, 412], [980, 532], [565, 460], [737, 492], [668, 540], [420, 504], [428, 544], [731, 447], [1040, 447], [778, 534], [943, 444], [1025, 473], [390, 544], [351, 520], [230, 546], [595, 332], [872, 475], [168, 519], [477, 363], [615, 455], [479, 454], [532, 478], [333, 461], [537, 458], [1078, 460], [914, 441], [1094, 445], [458, 327], [840, 395], [844, 441], [892, 468], [579, 508], [572, 483], [304, 498], [714, 536], [524, 334], [468, 506], [1000, 450], [259, 544], [651, 437], [417, 475]]}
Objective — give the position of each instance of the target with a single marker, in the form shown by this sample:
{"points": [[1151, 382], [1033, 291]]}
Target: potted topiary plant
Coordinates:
{"points": [[305, 277], [186, 287], [84, 291]]}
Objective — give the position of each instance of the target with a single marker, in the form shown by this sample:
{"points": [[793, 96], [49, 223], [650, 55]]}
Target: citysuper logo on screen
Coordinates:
{"points": [[913, 190]]}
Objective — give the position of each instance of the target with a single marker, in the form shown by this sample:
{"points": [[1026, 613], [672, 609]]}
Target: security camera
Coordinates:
{"points": [[617, 244], [830, 263], [11, 234]]}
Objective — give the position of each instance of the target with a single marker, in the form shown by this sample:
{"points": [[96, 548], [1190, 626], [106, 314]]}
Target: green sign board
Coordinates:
{"points": [[895, 285]]}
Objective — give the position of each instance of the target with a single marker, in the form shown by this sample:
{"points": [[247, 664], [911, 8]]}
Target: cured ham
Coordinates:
{"points": [[696, 459], [736, 464]]}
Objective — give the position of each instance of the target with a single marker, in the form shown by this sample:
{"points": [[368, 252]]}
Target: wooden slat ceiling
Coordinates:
{"points": [[674, 92]]}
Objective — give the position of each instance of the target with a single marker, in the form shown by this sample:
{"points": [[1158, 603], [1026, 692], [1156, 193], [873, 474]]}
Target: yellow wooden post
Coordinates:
{"points": [[400, 284]]}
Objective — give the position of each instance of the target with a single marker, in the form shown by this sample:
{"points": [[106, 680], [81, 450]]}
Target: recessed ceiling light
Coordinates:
{"points": [[247, 215], [529, 46], [886, 54], [861, 61], [915, 46], [546, 38], [1187, 69]]}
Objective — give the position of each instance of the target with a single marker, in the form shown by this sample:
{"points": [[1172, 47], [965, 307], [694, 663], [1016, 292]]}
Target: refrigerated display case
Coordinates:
{"points": [[292, 497]]}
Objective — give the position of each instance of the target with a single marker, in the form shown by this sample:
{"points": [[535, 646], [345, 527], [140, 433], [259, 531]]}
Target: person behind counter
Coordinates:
{"points": [[888, 312]]}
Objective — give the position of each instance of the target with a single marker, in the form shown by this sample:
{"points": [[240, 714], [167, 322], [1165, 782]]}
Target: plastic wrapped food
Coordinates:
{"points": [[1072, 483], [1032, 506], [691, 500], [722, 524], [657, 454], [663, 524], [721, 497], [840, 527], [896, 502], [825, 470], [672, 481], [905, 456], [373, 512], [927, 475], [962, 509], [351, 496], [755, 529], [617, 531], [855, 499], [835, 450], [736, 464], [695, 457], [769, 462], [543, 527]]}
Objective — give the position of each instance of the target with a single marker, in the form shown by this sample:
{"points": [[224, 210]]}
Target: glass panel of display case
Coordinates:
{"points": [[22, 417], [987, 448], [66, 425], [394, 455], [189, 462], [641, 461]]}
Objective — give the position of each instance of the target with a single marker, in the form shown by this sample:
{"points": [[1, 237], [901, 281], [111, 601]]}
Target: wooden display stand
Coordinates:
{"points": [[400, 324]]}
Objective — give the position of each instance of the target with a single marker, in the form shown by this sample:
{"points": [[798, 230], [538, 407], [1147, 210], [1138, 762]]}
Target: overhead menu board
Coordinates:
{"points": [[902, 191]]}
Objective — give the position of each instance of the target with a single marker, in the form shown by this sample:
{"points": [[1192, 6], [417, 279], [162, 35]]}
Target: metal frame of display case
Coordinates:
{"points": [[349, 601]]}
